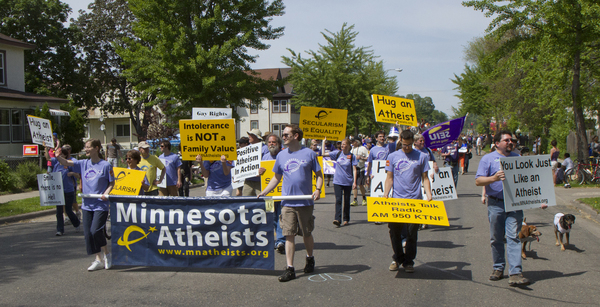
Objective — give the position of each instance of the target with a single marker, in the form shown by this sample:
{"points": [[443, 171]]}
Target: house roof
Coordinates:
{"points": [[268, 73], [7, 40], [8, 94]]}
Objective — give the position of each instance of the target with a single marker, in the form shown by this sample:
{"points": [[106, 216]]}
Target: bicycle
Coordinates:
{"points": [[587, 171]]}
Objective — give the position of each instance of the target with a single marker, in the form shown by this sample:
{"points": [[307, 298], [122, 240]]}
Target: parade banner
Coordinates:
{"points": [[444, 133], [51, 189], [378, 180], [41, 130], [211, 113], [442, 184], [411, 211], [528, 182], [248, 162], [392, 110], [128, 181], [269, 173], [209, 138], [191, 232], [321, 123]]}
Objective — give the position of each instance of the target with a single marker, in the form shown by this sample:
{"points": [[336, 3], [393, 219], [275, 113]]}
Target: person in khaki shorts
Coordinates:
{"points": [[295, 165]]}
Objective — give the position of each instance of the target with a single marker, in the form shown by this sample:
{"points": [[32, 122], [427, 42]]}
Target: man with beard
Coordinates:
{"points": [[502, 224], [274, 145]]}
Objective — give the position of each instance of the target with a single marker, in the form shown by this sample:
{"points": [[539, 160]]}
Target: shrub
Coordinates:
{"points": [[26, 173], [7, 178]]}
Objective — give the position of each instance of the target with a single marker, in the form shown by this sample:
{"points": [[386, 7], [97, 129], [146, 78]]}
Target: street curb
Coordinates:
{"points": [[587, 209], [32, 215], [26, 216]]}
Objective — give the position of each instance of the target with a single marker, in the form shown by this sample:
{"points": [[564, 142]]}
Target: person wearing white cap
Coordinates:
{"points": [[149, 164], [252, 184]]}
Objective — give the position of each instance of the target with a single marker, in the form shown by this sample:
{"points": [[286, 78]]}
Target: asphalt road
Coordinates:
{"points": [[452, 266]]}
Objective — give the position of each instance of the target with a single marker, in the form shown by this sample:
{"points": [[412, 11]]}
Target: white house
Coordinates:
{"points": [[15, 103]]}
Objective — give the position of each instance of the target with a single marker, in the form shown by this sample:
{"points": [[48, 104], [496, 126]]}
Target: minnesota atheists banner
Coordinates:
{"points": [[191, 232]]}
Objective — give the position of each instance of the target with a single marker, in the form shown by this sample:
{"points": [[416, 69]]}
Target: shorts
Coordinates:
{"points": [[220, 192], [361, 178], [297, 221], [554, 165]]}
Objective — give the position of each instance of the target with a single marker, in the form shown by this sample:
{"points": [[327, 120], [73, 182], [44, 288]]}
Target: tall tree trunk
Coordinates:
{"points": [[582, 152]]}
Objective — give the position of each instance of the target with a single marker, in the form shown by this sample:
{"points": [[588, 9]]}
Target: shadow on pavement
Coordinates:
{"points": [[438, 270], [438, 244], [327, 245]]}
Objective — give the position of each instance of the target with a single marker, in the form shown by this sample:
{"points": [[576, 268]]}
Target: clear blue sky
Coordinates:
{"points": [[425, 38]]}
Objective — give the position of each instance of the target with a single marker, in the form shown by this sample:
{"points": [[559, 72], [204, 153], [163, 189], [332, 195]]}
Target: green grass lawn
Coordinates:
{"points": [[594, 202], [24, 206]]}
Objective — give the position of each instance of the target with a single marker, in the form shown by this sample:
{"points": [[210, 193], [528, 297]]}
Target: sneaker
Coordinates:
{"points": [[364, 202], [78, 228], [517, 280], [394, 266], [423, 226], [58, 233], [107, 261], [280, 248], [378, 223], [78, 215], [336, 223], [409, 268], [354, 203], [310, 264], [67, 221], [96, 265], [288, 274], [497, 275]]}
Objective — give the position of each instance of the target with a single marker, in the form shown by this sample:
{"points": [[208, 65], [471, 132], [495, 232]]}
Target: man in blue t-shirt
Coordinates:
{"points": [[406, 171], [296, 165], [502, 224]]}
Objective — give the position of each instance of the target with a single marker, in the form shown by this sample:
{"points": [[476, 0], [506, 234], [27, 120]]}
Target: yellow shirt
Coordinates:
{"points": [[149, 165]]}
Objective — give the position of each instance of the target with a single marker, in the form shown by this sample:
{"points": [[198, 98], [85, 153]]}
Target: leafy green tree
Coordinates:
{"points": [[567, 30], [50, 68], [104, 28], [342, 76], [426, 110], [193, 53]]}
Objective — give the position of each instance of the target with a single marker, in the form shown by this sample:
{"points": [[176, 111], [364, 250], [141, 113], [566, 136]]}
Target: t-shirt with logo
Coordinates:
{"points": [[378, 153], [452, 149], [428, 152], [489, 166], [217, 180], [407, 169], [172, 162], [344, 174], [68, 181], [149, 166], [297, 169], [95, 178]]}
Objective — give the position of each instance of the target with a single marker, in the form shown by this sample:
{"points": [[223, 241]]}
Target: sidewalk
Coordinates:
{"points": [[10, 197]]}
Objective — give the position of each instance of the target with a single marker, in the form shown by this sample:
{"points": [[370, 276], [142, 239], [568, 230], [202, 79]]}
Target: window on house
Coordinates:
{"points": [[283, 106], [123, 130], [276, 130], [253, 109], [2, 67], [253, 124], [275, 106], [26, 131], [17, 125], [4, 125]]}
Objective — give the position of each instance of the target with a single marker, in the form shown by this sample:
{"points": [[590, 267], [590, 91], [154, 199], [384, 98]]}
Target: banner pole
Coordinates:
{"points": [[291, 197]]}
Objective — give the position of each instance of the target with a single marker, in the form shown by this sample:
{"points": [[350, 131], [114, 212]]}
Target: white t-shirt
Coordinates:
{"points": [[360, 152]]}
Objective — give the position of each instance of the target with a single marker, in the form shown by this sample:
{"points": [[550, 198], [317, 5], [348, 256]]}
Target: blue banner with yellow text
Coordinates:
{"points": [[444, 133], [191, 232]]}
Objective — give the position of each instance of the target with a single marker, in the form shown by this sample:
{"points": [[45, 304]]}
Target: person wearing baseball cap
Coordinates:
{"points": [[149, 164]]}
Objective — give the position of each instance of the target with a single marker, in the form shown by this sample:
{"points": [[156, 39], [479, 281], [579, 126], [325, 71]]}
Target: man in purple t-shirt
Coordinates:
{"points": [[406, 171], [295, 165]]}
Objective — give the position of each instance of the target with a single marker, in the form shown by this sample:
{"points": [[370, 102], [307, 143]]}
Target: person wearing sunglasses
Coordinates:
{"points": [[132, 158], [172, 164]]}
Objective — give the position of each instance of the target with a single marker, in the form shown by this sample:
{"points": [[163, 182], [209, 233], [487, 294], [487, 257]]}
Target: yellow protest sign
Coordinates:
{"points": [[210, 138], [268, 175], [389, 109], [320, 123], [127, 181], [412, 211]]}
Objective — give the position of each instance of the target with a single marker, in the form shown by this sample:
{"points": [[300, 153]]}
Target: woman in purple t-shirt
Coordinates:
{"points": [[96, 178], [344, 179]]}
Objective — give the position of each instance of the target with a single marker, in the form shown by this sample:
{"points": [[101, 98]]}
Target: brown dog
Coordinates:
{"points": [[529, 233], [562, 225]]}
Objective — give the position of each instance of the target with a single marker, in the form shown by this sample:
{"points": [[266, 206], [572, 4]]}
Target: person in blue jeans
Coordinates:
{"points": [[502, 224], [344, 180], [68, 188], [274, 145]]}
